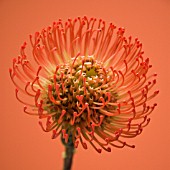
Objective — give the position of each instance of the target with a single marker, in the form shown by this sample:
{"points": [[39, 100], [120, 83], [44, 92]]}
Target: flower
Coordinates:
{"points": [[91, 83]]}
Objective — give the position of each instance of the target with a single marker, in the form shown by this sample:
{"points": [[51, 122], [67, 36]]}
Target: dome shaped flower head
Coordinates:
{"points": [[91, 83]]}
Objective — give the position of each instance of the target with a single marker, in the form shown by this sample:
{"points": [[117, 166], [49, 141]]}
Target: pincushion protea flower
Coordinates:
{"points": [[91, 83]]}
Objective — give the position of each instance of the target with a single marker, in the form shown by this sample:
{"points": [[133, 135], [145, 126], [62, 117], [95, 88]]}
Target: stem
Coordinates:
{"points": [[69, 152]]}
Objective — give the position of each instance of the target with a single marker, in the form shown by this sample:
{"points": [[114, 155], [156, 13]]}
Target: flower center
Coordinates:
{"points": [[78, 92]]}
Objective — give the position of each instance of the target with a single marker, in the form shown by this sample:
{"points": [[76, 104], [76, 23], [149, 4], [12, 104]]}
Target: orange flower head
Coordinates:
{"points": [[90, 83]]}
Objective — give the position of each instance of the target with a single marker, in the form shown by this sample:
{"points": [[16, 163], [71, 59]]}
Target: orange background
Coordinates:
{"points": [[23, 145]]}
